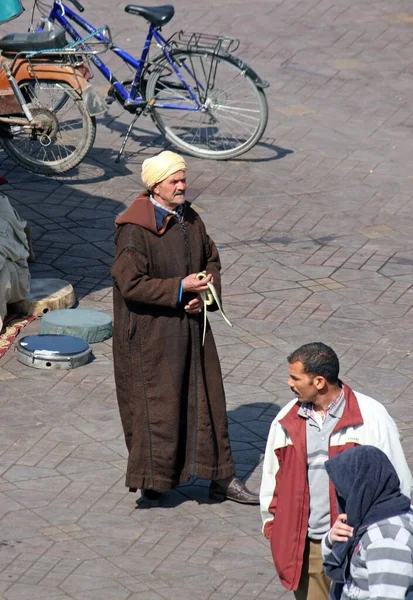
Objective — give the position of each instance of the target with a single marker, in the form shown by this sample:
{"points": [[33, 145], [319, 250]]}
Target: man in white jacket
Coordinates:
{"points": [[298, 504]]}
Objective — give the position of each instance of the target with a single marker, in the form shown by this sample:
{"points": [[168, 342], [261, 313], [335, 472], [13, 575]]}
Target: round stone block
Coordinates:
{"points": [[45, 295], [89, 325]]}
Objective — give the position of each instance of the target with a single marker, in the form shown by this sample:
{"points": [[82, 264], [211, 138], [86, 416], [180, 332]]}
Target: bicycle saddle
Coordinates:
{"points": [[159, 15], [28, 42]]}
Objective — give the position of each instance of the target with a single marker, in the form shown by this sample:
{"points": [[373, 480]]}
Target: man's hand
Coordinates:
{"points": [[340, 531], [194, 285], [194, 306]]}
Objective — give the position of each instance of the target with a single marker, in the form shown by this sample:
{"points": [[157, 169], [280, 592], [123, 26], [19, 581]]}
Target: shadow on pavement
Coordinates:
{"points": [[72, 227], [264, 151], [249, 425]]}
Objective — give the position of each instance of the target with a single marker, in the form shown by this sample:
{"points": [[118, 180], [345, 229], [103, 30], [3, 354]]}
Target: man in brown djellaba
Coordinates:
{"points": [[169, 386]]}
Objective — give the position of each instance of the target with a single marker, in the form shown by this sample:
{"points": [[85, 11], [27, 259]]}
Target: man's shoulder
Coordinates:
{"points": [[194, 216], [129, 232], [369, 404]]}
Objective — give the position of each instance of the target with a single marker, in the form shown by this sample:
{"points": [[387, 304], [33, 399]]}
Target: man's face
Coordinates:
{"points": [[171, 191], [302, 385]]}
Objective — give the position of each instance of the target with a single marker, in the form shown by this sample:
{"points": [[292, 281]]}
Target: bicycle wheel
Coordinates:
{"points": [[227, 118], [59, 100], [62, 139]]}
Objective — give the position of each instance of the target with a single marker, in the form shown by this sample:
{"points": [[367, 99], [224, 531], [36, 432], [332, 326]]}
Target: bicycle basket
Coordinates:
{"points": [[10, 9]]}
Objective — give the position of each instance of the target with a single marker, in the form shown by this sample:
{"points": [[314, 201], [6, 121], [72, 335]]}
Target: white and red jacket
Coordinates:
{"points": [[284, 494]]}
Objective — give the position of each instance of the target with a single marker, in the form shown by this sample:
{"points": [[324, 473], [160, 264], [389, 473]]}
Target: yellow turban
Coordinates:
{"points": [[158, 168]]}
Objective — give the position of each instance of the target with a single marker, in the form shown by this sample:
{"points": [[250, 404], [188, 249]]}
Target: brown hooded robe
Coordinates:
{"points": [[169, 388]]}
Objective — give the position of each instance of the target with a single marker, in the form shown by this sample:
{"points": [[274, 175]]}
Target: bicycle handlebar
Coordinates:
{"points": [[77, 5]]}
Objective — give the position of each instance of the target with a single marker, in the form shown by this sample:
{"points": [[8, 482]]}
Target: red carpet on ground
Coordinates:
{"points": [[11, 328]]}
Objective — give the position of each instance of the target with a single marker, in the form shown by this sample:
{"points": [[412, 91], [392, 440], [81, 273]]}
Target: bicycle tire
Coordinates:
{"points": [[157, 84], [27, 156]]}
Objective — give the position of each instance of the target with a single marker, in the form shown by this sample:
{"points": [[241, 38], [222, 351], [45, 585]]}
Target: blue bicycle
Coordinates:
{"points": [[203, 99]]}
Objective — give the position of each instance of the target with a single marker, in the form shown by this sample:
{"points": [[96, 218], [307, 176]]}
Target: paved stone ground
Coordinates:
{"points": [[314, 229]]}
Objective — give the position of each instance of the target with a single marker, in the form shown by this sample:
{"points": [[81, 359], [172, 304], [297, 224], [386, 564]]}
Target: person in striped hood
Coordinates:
{"points": [[368, 552]]}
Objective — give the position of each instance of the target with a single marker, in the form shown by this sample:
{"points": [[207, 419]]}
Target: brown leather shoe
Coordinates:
{"points": [[235, 490]]}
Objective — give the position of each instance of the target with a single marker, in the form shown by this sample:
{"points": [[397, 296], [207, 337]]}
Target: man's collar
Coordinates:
{"points": [[335, 409], [162, 213], [177, 212]]}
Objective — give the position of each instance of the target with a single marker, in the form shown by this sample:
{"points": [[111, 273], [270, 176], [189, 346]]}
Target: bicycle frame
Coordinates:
{"points": [[62, 14]]}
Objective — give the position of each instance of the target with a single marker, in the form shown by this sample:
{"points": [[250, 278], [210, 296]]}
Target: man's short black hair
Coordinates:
{"points": [[317, 359]]}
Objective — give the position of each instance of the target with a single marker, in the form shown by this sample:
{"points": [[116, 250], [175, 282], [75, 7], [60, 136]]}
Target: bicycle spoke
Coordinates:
{"points": [[66, 127], [235, 117], [231, 112], [173, 94]]}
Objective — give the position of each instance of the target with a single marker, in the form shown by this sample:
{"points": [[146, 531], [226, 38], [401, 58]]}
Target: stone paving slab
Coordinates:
{"points": [[314, 229]]}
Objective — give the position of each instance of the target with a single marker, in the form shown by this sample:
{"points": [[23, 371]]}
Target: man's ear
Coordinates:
{"points": [[319, 382]]}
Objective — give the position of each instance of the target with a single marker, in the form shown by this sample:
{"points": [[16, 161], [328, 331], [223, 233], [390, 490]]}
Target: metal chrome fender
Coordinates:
{"points": [[94, 102], [259, 82]]}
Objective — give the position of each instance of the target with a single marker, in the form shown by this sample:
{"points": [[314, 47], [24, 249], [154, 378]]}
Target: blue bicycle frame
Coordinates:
{"points": [[61, 13]]}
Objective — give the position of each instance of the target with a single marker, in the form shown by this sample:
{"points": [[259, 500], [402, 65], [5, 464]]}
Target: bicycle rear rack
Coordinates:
{"points": [[218, 44]]}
